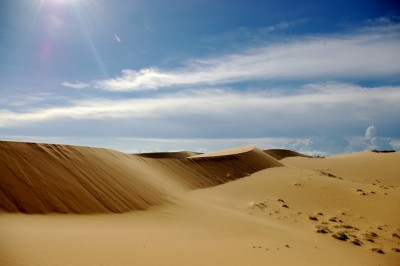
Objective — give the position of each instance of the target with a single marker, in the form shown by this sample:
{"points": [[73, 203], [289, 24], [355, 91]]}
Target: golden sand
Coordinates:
{"points": [[69, 205]]}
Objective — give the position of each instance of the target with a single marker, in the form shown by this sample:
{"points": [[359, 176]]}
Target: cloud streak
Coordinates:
{"points": [[75, 85], [369, 53], [313, 105]]}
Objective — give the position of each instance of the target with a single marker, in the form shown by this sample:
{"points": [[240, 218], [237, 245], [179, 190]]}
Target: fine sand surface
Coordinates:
{"points": [[69, 205]]}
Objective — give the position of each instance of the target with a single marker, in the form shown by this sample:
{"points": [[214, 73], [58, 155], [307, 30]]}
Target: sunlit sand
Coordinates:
{"points": [[70, 205]]}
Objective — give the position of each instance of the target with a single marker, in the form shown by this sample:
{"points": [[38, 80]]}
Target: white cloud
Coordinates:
{"points": [[283, 25], [368, 53], [370, 132], [338, 144], [326, 105], [76, 85], [132, 80], [372, 141], [18, 100]]}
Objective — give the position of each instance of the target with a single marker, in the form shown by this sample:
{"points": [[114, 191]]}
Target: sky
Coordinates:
{"points": [[319, 77]]}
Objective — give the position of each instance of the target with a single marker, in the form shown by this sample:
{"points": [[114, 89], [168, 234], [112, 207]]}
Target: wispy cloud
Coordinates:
{"points": [[283, 25], [241, 35], [75, 85], [364, 54], [312, 106]]}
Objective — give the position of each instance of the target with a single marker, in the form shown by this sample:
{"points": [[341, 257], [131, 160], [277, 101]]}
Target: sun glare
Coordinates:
{"points": [[63, 1]]}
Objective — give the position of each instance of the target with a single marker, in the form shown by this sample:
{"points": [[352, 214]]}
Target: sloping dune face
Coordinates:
{"points": [[280, 154], [46, 178], [233, 163], [42, 178], [211, 169]]}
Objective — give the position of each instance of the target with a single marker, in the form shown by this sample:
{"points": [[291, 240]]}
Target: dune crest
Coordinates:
{"points": [[280, 154]]}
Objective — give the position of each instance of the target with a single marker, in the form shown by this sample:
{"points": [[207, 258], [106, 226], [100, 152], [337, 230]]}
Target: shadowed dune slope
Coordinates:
{"points": [[282, 153], [45, 178], [42, 178]]}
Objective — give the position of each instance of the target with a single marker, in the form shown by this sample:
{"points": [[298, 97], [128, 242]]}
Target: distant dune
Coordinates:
{"points": [[280, 154], [241, 206], [168, 155]]}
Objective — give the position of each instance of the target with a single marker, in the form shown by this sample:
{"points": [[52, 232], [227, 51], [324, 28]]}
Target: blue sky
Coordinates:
{"points": [[320, 77]]}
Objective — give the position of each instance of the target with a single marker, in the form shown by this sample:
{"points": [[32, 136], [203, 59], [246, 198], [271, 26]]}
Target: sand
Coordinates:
{"points": [[69, 205]]}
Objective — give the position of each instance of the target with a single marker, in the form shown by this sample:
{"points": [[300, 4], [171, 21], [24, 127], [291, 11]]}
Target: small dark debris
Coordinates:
{"points": [[396, 249], [323, 229], [313, 218], [383, 151], [281, 200], [356, 242], [340, 236], [333, 219], [285, 206], [349, 227], [287, 246], [371, 234], [396, 235], [320, 214], [378, 250]]}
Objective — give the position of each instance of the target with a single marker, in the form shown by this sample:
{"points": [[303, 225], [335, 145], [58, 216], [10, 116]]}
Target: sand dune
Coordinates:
{"points": [[43, 178], [234, 207], [280, 154], [364, 167]]}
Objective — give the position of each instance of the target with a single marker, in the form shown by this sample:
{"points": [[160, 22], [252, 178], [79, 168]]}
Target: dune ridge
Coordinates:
{"points": [[210, 169], [46, 178], [280, 154]]}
